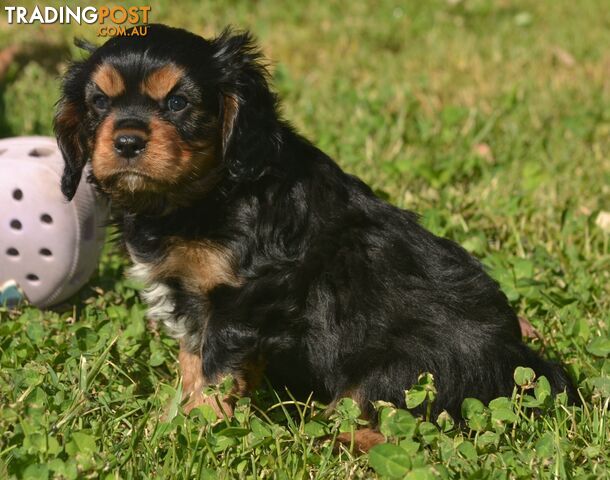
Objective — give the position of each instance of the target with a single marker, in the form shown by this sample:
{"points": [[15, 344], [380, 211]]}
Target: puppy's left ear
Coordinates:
{"points": [[229, 109], [70, 130], [247, 105]]}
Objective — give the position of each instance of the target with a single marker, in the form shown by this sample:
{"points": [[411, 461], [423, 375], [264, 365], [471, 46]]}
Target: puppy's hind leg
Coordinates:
{"points": [[362, 439]]}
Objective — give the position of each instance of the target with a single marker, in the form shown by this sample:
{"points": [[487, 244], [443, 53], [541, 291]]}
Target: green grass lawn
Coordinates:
{"points": [[490, 118]]}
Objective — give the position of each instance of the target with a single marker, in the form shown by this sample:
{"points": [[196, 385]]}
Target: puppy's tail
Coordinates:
{"points": [[554, 373]]}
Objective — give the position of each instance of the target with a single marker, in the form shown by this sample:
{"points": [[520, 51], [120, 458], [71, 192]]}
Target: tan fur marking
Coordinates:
{"points": [[229, 115], [167, 161], [364, 439], [103, 162], [160, 82], [69, 116], [68, 120], [109, 80], [170, 160], [193, 383], [167, 156], [201, 264]]}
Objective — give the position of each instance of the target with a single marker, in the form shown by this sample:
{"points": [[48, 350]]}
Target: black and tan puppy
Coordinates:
{"points": [[260, 254]]}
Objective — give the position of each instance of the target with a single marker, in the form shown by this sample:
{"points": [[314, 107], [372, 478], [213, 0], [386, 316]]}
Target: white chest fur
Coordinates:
{"points": [[200, 266], [158, 297]]}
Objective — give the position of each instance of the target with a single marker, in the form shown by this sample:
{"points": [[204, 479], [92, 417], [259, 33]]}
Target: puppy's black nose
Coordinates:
{"points": [[129, 146]]}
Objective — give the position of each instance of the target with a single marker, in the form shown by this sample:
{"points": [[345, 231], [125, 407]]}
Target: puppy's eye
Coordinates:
{"points": [[176, 103], [101, 102]]}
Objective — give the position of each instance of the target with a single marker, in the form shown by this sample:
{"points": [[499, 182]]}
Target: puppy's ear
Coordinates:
{"points": [[70, 130], [229, 108], [247, 106], [84, 44], [72, 143]]}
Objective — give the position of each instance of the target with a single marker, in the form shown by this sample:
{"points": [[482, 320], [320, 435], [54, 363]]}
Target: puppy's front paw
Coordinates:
{"points": [[221, 406]]}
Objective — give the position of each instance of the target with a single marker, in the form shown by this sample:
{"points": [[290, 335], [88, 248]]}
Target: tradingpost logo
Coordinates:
{"points": [[113, 21]]}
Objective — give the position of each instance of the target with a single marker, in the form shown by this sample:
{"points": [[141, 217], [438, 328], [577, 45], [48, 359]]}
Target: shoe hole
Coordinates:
{"points": [[40, 152], [45, 252], [32, 277], [17, 194], [16, 224], [12, 252], [46, 218]]}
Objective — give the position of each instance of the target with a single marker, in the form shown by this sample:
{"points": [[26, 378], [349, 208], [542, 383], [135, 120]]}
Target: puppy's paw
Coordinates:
{"points": [[221, 406]]}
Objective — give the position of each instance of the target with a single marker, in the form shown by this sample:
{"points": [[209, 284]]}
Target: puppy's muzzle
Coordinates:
{"points": [[130, 145]]}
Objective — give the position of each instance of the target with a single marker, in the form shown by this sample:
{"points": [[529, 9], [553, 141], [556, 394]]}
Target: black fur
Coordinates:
{"points": [[342, 292]]}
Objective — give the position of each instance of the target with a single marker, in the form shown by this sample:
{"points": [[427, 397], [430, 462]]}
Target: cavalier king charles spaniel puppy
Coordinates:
{"points": [[259, 254]]}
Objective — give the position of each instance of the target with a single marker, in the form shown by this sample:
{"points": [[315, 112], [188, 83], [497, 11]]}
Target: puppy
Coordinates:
{"points": [[259, 253]]}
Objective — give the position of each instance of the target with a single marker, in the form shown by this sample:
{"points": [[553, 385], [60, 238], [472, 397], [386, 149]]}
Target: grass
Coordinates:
{"points": [[490, 118]]}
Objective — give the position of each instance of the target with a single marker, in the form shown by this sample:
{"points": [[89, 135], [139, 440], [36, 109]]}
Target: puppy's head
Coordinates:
{"points": [[161, 118]]}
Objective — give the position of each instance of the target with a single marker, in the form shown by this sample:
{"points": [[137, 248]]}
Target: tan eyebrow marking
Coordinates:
{"points": [[109, 80], [160, 82]]}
